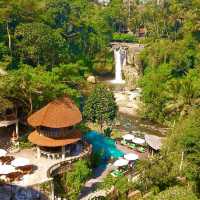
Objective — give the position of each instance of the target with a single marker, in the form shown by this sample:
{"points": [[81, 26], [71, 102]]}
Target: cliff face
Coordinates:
{"points": [[132, 68]]}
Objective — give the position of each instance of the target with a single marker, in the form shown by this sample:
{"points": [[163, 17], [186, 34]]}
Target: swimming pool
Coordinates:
{"points": [[101, 143]]}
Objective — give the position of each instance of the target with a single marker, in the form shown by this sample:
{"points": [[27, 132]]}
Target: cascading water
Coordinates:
{"points": [[120, 60]]}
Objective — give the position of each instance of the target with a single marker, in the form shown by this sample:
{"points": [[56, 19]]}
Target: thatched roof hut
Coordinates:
{"points": [[54, 125], [155, 142], [57, 114]]}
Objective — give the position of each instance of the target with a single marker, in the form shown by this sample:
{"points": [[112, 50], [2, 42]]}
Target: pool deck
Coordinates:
{"points": [[42, 165]]}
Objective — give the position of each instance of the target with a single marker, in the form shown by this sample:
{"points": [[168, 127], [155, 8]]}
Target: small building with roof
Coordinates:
{"points": [[55, 135], [154, 142], [8, 117]]}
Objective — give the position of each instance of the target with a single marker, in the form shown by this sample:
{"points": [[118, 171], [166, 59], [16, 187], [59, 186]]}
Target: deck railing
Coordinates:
{"points": [[65, 165], [8, 117]]}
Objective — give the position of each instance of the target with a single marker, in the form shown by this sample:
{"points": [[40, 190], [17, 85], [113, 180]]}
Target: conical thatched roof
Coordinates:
{"points": [[57, 114]]}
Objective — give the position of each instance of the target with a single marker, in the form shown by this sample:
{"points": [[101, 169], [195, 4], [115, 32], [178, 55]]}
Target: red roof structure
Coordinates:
{"points": [[57, 114]]}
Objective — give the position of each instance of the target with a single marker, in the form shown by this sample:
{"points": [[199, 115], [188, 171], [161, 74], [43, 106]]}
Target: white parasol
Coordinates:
{"points": [[138, 141], [20, 162], [128, 137], [3, 152], [131, 156], [120, 163], [6, 169]]}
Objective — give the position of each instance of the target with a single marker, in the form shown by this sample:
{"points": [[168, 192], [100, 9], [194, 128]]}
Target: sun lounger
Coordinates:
{"points": [[14, 176], [132, 146], [123, 142], [27, 169], [141, 149], [6, 160], [117, 173]]}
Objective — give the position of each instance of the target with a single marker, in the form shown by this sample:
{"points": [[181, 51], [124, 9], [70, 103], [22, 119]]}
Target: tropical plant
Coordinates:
{"points": [[69, 185], [178, 159], [121, 186]]}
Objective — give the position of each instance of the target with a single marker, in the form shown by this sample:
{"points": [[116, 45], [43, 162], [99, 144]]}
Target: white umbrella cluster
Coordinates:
{"points": [[131, 156], [128, 137], [2, 152], [138, 141], [6, 169], [18, 162], [120, 162], [134, 139]]}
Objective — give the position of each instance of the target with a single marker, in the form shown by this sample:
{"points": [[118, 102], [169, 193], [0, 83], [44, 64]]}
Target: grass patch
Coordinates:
{"points": [[122, 37]]}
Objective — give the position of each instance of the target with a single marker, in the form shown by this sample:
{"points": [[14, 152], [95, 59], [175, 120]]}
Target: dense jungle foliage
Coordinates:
{"points": [[170, 60], [49, 47]]}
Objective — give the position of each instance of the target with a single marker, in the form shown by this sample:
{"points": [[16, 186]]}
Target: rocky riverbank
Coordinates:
{"points": [[128, 101]]}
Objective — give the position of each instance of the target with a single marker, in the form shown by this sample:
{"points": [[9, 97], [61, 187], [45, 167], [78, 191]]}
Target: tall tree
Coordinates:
{"points": [[100, 106]]}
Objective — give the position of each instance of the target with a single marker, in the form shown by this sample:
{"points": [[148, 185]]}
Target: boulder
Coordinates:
{"points": [[91, 79], [182, 180], [148, 195], [135, 195]]}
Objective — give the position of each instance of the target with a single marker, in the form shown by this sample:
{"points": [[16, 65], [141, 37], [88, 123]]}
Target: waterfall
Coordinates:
{"points": [[120, 61]]}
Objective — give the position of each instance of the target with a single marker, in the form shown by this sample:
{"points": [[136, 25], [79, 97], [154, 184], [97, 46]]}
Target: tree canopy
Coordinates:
{"points": [[100, 106]]}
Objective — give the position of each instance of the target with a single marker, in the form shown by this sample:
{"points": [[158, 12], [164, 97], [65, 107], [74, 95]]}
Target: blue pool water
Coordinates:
{"points": [[103, 144]]}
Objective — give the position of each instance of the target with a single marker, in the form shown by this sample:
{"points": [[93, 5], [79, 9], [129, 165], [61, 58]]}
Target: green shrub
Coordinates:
{"points": [[69, 185], [83, 128], [116, 134], [107, 132], [96, 158], [24, 143], [121, 184], [176, 193]]}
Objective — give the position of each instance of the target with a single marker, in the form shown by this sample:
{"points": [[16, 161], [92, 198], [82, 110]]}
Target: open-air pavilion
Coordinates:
{"points": [[154, 143], [55, 135], [9, 124]]}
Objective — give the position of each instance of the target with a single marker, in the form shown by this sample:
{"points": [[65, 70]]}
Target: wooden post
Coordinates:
{"points": [[152, 152], [52, 190], [181, 164], [63, 152], [38, 152], [17, 128]]}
